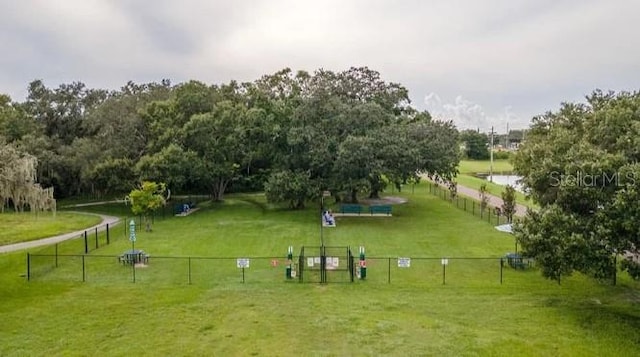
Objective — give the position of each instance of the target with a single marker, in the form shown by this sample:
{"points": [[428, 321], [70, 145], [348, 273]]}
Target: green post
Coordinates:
{"points": [[363, 264], [288, 274]]}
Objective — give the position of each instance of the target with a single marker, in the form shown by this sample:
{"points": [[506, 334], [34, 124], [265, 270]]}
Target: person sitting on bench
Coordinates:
{"points": [[328, 218]]}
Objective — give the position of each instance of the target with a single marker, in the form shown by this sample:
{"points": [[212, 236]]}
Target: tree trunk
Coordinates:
{"points": [[376, 187], [354, 195], [219, 187], [147, 224]]}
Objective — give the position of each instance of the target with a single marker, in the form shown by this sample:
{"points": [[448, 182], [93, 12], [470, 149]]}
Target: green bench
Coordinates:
{"points": [[351, 209], [383, 209]]}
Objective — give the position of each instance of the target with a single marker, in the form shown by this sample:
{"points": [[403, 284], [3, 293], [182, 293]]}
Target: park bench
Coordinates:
{"points": [[184, 209], [351, 209], [380, 209]]}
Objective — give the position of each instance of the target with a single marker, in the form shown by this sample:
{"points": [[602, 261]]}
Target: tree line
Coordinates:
{"points": [[581, 164], [292, 134]]}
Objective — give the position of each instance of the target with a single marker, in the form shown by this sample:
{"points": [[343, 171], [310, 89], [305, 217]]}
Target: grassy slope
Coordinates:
{"points": [[415, 314], [21, 227], [474, 166], [466, 178]]}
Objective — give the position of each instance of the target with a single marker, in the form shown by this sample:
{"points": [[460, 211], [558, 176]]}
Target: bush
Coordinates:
{"points": [[502, 155]]}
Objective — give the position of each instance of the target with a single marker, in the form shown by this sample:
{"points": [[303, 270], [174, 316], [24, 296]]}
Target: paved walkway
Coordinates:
{"points": [[111, 220], [494, 201]]}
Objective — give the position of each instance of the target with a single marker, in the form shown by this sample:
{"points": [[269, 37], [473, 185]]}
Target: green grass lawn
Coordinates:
{"points": [[493, 188], [468, 168], [21, 227], [482, 166], [161, 314]]}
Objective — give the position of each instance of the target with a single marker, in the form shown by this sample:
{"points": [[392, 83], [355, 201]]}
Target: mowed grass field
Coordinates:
{"points": [[466, 177], [20, 227], [482, 166], [217, 314]]}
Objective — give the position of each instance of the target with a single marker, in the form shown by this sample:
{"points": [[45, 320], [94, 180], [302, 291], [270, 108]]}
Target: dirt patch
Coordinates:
{"points": [[387, 200]]}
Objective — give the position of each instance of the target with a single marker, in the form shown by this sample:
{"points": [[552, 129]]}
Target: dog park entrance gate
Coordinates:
{"points": [[326, 265]]}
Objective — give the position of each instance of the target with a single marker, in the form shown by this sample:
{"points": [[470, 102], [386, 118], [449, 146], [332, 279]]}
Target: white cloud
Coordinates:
{"points": [[467, 114], [528, 55]]}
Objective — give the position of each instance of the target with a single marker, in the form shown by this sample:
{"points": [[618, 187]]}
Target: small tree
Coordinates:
{"points": [[146, 199], [484, 198], [509, 202], [292, 187], [453, 190]]}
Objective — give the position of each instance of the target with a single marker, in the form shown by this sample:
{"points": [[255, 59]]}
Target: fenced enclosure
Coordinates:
{"points": [[489, 213], [84, 242], [161, 270], [216, 271]]}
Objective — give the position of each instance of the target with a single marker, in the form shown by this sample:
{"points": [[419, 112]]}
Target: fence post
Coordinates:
{"points": [[444, 274], [83, 270], [28, 266], [97, 244], [465, 204], [86, 243], [107, 233], [501, 267], [473, 209]]}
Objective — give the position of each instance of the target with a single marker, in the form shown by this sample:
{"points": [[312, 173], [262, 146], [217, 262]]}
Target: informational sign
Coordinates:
{"points": [[444, 261], [404, 262], [333, 262], [310, 262], [242, 262]]}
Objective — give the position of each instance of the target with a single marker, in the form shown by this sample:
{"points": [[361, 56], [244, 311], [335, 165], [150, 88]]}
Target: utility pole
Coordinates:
{"points": [[491, 157], [506, 138]]}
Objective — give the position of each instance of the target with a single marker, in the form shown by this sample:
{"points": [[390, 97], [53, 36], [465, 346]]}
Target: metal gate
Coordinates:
{"points": [[326, 265]]}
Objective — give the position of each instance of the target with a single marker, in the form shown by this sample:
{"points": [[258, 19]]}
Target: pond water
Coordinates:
{"points": [[504, 180]]}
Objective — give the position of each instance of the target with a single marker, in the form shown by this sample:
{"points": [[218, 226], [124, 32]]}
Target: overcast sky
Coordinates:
{"points": [[480, 63]]}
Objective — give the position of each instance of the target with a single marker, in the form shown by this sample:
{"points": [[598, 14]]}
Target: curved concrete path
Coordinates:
{"points": [[111, 220], [494, 201]]}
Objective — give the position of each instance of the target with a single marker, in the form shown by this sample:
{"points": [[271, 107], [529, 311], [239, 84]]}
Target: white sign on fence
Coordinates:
{"points": [[444, 261], [242, 262], [404, 262], [310, 262]]}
